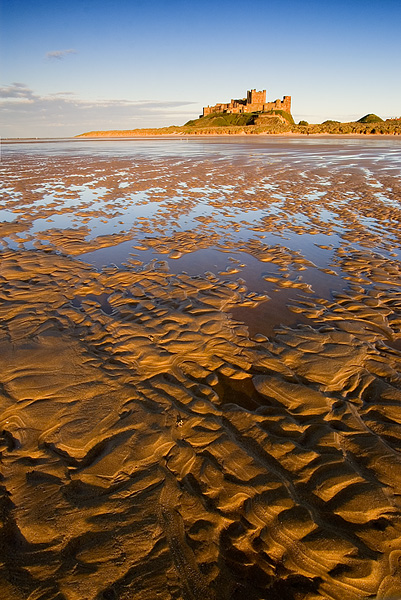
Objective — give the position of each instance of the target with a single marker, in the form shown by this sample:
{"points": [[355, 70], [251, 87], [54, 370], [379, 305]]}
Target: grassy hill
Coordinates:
{"points": [[370, 118], [222, 120], [239, 120], [275, 122]]}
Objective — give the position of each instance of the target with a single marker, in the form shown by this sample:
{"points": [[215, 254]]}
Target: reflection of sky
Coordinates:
{"points": [[68, 212], [250, 270], [233, 223], [167, 206], [6, 215], [57, 222], [234, 208], [330, 150], [383, 198]]}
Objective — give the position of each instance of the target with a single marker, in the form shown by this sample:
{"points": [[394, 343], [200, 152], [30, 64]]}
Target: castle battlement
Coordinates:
{"points": [[254, 102]]}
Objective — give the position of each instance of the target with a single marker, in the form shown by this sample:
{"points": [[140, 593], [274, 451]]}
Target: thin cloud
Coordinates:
{"points": [[59, 54], [64, 94], [18, 91], [27, 113]]}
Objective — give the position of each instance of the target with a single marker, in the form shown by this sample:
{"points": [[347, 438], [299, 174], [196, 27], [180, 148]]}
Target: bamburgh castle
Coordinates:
{"points": [[254, 102]]}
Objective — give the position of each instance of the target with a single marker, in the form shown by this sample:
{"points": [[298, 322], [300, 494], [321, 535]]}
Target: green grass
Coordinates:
{"points": [[370, 118], [287, 116], [237, 120], [223, 120]]}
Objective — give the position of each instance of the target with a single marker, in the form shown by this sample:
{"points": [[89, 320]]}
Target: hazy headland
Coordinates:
{"points": [[276, 123]]}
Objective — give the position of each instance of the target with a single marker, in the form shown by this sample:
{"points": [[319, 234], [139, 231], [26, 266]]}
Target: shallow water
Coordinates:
{"points": [[192, 195]]}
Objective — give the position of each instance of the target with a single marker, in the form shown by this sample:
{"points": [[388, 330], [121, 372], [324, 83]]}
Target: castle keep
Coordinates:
{"points": [[254, 102]]}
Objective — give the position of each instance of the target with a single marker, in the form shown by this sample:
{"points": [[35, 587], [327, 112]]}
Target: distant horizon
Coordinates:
{"points": [[77, 135], [130, 65], [352, 118]]}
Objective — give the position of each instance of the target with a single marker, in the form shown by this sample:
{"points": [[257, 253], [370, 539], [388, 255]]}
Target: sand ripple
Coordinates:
{"points": [[152, 449]]}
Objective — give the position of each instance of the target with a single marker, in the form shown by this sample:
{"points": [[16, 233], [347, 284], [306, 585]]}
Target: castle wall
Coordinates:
{"points": [[254, 102], [254, 107], [284, 104]]}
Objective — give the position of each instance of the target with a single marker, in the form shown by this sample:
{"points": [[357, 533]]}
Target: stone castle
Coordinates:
{"points": [[254, 102]]}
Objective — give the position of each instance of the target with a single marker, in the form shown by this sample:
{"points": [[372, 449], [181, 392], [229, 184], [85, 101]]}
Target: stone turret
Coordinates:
{"points": [[254, 97]]}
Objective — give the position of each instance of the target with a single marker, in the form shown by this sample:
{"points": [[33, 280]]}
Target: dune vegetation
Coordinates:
{"points": [[274, 122], [370, 118]]}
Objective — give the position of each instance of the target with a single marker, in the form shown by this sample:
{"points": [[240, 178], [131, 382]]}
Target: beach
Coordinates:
{"points": [[201, 369]]}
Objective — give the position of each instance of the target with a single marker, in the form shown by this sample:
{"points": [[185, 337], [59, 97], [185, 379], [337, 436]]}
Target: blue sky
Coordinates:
{"points": [[78, 65]]}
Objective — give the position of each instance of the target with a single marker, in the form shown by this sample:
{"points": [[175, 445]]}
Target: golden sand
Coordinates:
{"points": [[156, 447]]}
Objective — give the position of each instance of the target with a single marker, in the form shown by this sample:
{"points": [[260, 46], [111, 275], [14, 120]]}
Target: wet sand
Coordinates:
{"points": [[201, 373]]}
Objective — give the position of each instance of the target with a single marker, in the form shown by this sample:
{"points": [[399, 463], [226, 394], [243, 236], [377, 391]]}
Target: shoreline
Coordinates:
{"points": [[242, 135], [199, 135]]}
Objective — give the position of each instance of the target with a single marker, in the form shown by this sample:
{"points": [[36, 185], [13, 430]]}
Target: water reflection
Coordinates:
{"points": [[279, 208]]}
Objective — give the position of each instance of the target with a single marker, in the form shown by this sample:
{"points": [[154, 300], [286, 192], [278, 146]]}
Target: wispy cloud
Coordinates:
{"points": [[16, 90], [26, 113], [59, 54]]}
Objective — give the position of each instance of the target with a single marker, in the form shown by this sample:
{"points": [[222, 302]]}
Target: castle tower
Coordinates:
{"points": [[287, 104], [254, 97]]}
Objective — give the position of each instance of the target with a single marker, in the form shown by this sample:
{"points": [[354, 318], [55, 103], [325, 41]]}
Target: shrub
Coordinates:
{"points": [[303, 123]]}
